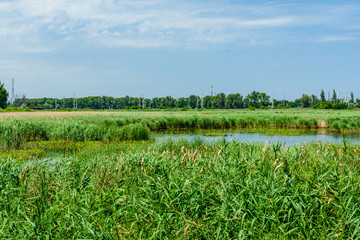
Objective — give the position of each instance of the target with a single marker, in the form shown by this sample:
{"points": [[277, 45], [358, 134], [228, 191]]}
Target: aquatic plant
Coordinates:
{"points": [[184, 190], [14, 131]]}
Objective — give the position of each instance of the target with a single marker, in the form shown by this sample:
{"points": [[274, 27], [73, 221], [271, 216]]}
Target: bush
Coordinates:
{"points": [[323, 105], [13, 109], [184, 109], [340, 106]]}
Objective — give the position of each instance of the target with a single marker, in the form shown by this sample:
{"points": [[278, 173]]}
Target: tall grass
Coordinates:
{"points": [[133, 126], [14, 132], [185, 190]]}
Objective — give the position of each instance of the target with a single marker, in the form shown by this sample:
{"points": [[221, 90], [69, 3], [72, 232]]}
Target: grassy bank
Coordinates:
{"points": [[16, 129], [184, 190], [15, 132]]}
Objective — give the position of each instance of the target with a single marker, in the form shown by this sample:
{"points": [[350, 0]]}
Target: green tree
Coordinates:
{"points": [[257, 99], [351, 97], [193, 101], [220, 100], [155, 102], [263, 99], [334, 98], [322, 95], [314, 100], [358, 102], [181, 102], [251, 99], [3, 96], [208, 102], [48, 106], [169, 102], [234, 101], [305, 101], [23, 101]]}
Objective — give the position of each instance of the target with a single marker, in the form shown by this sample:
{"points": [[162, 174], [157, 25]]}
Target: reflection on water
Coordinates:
{"points": [[264, 138]]}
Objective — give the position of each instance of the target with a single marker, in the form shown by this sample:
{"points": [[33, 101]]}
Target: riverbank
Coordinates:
{"points": [[15, 130]]}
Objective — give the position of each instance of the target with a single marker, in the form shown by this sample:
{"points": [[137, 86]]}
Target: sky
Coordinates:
{"points": [[57, 48]]}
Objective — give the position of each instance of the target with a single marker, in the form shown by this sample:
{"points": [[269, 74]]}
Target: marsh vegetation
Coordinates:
{"points": [[14, 131], [101, 178]]}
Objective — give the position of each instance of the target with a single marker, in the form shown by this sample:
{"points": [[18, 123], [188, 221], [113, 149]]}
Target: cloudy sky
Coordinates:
{"points": [[55, 48]]}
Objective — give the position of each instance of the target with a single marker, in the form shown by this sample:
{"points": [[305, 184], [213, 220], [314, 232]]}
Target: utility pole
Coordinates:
{"points": [[143, 102], [212, 90], [202, 101], [272, 102], [197, 102], [284, 101], [139, 101], [74, 105], [13, 92]]}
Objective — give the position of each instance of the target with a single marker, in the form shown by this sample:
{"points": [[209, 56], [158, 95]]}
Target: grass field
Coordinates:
{"points": [[17, 128], [184, 190], [95, 176]]}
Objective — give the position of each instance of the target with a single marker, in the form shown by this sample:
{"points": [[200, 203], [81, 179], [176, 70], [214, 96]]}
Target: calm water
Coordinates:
{"points": [[264, 138]]}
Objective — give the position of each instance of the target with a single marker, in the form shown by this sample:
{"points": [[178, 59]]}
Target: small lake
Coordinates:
{"points": [[265, 138]]}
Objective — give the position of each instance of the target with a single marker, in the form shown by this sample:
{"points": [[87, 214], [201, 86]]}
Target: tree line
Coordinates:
{"points": [[253, 100], [219, 101]]}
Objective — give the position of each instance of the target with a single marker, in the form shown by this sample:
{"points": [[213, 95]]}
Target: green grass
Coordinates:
{"points": [[183, 190], [100, 177], [101, 126], [14, 133]]}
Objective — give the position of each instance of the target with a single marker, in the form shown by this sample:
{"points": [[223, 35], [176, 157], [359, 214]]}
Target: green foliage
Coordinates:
{"points": [[234, 101], [340, 106], [328, 105], [257, 99], [185, 108], [125, 125], [17, 109], [305, 101], [322, 96], [334, 97], [323, 105], [351, 98], [184, 190], [14, 133], [3, 96], [220, 101], [136, 132]]}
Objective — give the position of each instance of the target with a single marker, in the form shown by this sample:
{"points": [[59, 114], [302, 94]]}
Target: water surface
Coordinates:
{"points": [[266, 138]]}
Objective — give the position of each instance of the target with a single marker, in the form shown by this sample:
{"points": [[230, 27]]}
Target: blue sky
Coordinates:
{"points": [[55, 48]]}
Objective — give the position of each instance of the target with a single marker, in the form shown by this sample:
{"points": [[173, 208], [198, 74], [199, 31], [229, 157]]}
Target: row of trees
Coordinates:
{"points": [[220, 101], [3, 96], [334, 102]]}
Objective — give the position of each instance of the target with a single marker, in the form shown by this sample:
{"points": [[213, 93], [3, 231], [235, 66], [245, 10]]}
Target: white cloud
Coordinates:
{"points": [[43, 78], [30, 25], [336, 38]]}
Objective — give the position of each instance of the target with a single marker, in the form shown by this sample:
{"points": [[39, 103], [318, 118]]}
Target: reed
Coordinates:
{"points": [[184, 190], [14, 131]]}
